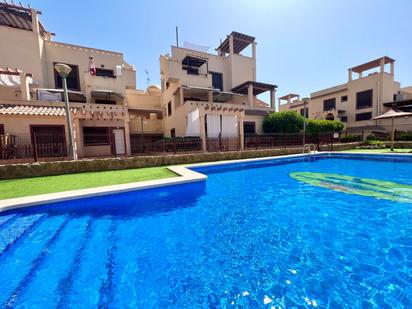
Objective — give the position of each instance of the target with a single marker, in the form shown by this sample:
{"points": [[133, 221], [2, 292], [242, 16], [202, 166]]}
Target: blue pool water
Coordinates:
{"points": [[250, 236]]}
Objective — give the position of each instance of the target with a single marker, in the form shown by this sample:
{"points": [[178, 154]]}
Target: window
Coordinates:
{"points": [[363, 116], [344, 118], [303, 112], [105, 73], [173, 132], [329, 104], [249, 127], [217, 80], [169, 108], [47, 134], [1, 129], [72, 79], [344, 98], [364, 99], [101, 101], [96, 136]]}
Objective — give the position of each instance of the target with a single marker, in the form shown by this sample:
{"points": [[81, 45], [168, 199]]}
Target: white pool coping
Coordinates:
{"points": [[184, 175]]}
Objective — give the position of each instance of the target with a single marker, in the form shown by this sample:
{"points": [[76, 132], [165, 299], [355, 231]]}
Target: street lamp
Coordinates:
{"points": [[64, 70], [141, 121], [305, 102]]}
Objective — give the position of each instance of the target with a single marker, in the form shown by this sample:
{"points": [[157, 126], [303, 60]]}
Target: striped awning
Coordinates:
{"points": [[13, 80], [17, 16]]}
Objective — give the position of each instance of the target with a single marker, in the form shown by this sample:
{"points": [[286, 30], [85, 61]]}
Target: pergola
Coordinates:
{"points": [[288, 97], [235, 43], [252, 88], [403, 105], [372, 64]]}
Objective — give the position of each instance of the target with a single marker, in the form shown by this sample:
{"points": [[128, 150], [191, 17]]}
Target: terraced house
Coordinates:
{"points": [[101, 89], [214, 96], [370, 93], [211, 97]]}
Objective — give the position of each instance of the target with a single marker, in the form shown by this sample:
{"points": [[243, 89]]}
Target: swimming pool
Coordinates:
{"points": [[286, 233]]}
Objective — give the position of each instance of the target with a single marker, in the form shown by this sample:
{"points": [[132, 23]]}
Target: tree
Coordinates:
{"points": [[315, 127], [283, 122]]}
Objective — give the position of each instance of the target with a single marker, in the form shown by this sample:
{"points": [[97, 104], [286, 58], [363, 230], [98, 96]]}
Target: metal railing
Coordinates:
{"points": [[221, 144], [309, 147], [286, 140], [45, 147], [153, 145], [31, 148]]}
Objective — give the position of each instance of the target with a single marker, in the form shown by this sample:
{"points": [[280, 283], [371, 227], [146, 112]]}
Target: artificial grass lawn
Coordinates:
{"points": [[383, 150], [40, 185]]}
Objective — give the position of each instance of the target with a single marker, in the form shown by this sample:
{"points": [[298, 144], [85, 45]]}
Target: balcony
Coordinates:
{"points": [[174, 72], [115, 85]]}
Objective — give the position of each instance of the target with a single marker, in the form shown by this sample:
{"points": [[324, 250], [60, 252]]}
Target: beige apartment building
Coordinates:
{"points": [[371, 92], [213, 95], [106, 108], [204, 95]]}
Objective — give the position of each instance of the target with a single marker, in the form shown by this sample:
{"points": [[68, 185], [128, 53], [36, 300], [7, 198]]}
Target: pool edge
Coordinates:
{"points": [[184, 172], [184, 175]]}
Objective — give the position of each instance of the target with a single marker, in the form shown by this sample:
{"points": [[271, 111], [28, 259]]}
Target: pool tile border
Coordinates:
{"points": [[185, 174]]}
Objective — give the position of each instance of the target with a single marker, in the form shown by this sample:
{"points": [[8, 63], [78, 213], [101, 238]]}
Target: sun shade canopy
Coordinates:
{"points": [[74, 96], [392, 113], [17, 16], [371, 64], [194, 62], [289, 96], [402, 105], [106, 95], [258, 88], [240, 42], [13, 80]]}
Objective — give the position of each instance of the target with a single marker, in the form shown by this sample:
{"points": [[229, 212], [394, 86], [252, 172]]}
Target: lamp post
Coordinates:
{"points": [[305, 102], [141, 121], [64, 70]]}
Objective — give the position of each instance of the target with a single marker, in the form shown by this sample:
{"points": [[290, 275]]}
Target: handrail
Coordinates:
{"points": [[309, 147]]}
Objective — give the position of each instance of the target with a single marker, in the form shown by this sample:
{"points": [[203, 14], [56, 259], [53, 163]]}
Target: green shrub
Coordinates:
{"points": [[283, 122], [373, 137], [375, 143], [350, 138], [404, 136], [316, 127]]}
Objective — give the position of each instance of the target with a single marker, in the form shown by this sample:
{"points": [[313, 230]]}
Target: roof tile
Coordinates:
{"points": [[10, 109]]}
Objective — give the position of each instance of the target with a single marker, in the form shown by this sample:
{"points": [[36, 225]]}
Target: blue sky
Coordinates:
{"points": [[303, 46]]}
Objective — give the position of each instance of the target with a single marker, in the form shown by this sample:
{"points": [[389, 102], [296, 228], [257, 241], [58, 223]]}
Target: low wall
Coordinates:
{"points": [[400, 144], [343, 146], [12, 171]]}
